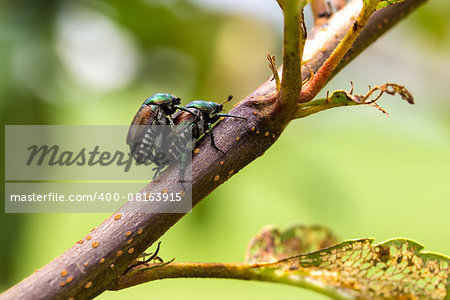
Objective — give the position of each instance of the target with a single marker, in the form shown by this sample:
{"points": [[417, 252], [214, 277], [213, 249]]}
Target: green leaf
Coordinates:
{"points": [[357, 269], [342, 98], [271, 244]]}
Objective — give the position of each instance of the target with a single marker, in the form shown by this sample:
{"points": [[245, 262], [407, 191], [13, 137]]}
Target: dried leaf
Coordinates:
{"points": [[271, 244]]}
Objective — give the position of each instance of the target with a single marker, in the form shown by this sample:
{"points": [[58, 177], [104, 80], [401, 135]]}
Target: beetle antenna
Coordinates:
{"points": [[228, 99]]}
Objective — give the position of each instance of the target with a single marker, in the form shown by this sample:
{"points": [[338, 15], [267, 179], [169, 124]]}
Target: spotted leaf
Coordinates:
{"points": [[357, 269]]}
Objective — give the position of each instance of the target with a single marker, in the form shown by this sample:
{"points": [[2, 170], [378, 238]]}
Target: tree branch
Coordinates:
{"points": [[94, 263]]}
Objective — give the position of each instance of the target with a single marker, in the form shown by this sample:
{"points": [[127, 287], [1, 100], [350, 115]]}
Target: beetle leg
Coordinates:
{"points": [[174, 132], [183, 162], [158, 170], [212, 139], [186, 110]]}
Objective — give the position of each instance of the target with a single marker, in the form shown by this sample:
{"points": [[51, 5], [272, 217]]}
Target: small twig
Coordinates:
{"points": [[274, 70], [152, 257]]}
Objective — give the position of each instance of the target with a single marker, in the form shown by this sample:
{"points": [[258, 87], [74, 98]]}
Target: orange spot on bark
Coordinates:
{"points": [[131, 250], [102, 260], [63, 273], [88, 285], [117, 217], [128, 233], [119, 253], [216, 177]]}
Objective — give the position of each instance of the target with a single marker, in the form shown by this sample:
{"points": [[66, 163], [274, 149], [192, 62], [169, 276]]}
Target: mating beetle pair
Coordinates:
{"points": [[146, 141]]}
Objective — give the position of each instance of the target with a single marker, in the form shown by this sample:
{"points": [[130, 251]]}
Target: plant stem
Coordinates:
{"points": [[294, 37], [184, 270], [265, 272]]}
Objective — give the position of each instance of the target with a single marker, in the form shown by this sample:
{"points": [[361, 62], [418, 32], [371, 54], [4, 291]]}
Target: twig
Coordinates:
{"points": [[294, 37]]}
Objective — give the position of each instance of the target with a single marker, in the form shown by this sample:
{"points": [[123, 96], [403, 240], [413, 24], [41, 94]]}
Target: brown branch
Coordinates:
{"points": [[94, 263]]}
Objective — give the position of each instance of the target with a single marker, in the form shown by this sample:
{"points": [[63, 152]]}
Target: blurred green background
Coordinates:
{"points": [[352, 169]]}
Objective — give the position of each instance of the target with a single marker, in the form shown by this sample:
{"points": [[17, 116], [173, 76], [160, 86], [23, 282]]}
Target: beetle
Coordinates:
{"points": [[143, 139], [200, 119]]}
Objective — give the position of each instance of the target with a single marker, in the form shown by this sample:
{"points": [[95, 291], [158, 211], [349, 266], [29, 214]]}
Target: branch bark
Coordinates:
{"points": [[95, 262]]}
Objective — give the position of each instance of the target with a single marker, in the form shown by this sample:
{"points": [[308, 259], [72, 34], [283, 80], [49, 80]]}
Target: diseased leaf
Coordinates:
{"points": [[271, 244], [342, 98], [356, 269]]}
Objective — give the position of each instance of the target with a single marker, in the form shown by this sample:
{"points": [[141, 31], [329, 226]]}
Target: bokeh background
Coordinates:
{"points": [[352, 169]]}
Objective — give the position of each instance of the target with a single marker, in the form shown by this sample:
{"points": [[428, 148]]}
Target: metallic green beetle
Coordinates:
{"points": [[199, 120], [143, 138]]}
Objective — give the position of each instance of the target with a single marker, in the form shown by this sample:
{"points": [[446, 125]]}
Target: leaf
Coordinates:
{"points": [[271, 244], [342, 98], [356, 269]]}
